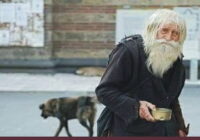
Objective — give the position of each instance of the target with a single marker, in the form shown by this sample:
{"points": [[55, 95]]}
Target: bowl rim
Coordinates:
{"points": [[162, 110]]}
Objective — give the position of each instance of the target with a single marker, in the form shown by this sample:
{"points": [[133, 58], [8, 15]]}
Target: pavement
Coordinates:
{"points": [[62, 85], [59, 82], [39, 83]]}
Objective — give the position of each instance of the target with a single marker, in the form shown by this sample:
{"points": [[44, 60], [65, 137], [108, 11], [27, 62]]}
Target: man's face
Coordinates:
{"points": [[169, 32], [165, 49]]}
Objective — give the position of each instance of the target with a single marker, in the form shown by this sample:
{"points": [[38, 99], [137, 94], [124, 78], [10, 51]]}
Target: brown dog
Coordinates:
{"points": [[83, 108]]}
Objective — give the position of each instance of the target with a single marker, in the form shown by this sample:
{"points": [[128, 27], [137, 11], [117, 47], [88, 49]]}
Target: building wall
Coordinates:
{"points": [[86, 28], [78, 32]]}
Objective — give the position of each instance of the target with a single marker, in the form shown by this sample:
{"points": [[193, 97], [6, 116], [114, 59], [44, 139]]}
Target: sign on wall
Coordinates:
{"points": [[22, 23], [191, 48], [130, 22]]}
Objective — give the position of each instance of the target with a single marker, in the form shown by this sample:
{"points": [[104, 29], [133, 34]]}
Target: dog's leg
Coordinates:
{"points": [[84, 123], [91, 122], [59, 129], [67, 129]]}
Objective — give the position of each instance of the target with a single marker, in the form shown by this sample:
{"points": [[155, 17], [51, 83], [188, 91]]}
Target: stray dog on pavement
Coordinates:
{"points": [[83, 108]]}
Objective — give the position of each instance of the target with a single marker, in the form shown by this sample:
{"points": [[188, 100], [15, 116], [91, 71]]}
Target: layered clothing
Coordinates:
{"points": [[127, 80]]}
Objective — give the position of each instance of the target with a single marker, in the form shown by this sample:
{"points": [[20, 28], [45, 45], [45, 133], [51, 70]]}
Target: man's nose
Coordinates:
{"points": [[168, 36]]}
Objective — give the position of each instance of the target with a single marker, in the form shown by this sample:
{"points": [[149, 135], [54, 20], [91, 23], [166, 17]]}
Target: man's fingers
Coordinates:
{"points": [[182, 133], [151, 106], [145, 114], [149, 117], [144, 111]]}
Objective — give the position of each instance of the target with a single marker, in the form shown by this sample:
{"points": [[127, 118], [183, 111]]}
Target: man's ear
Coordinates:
{"points": [[41, 106]]}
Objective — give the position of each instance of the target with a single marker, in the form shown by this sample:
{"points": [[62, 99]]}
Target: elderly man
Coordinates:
{"points": [[147, 76]]}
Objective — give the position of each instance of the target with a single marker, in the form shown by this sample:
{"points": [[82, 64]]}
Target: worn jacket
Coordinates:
{"points": [[127, 72]]}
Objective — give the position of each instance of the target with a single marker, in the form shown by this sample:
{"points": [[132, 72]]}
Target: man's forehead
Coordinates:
{"points": [[171, 26]]}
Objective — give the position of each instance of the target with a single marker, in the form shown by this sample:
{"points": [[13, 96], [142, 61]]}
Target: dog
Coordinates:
{"points": [[91, 71], [82, 108]]}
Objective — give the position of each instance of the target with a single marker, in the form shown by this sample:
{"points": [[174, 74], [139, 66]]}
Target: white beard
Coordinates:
{"points": [[162, 55]]}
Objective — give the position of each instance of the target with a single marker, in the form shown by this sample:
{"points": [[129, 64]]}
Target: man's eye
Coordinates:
{"points": [[164, 30], [175, 33]]}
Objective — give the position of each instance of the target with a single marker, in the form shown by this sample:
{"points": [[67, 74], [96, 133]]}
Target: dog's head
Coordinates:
{"points": [[49, 108]]}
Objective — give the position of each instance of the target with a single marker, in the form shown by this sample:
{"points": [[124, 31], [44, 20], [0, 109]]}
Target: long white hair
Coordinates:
{"points": [[159, 18], [161, 57]]}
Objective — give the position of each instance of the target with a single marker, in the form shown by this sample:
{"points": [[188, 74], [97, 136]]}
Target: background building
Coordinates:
{"points": [[76, 32]]}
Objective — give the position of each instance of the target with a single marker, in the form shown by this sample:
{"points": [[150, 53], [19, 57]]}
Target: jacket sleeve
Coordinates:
{"points": [[177, 110], [115, 78], [179, 116]]}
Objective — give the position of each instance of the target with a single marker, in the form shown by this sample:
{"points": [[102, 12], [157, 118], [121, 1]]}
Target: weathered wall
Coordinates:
{"points": [[78, 31], [26, 53], [86, 28]]}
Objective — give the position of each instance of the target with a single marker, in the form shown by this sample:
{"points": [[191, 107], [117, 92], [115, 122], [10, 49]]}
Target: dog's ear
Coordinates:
{"points": [[41, 106]]}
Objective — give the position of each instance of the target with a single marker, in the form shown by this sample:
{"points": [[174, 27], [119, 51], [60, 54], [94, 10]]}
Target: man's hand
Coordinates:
{"points": [[182, 133], [144, 110]]}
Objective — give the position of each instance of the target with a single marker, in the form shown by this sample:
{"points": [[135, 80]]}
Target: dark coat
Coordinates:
{"points": [[125, 72]]}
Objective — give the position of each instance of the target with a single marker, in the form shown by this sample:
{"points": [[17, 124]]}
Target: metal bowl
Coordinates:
{"points": [[162, 114]]}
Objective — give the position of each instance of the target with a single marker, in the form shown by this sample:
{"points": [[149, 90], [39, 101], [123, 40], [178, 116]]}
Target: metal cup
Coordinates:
{"points": [[162, 114]]}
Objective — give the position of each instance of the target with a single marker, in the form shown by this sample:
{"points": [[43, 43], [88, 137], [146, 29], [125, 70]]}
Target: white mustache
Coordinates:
{"points": [[169, 43]]}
